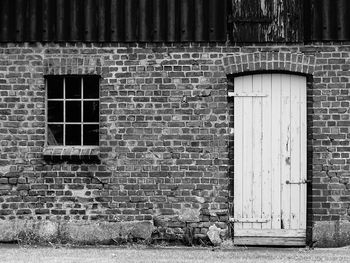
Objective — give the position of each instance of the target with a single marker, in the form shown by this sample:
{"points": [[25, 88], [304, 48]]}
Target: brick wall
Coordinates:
{"points": [[164, 133]]}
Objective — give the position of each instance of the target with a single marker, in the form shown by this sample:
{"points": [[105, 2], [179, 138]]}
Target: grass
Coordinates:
{"points": [[15, 253]]}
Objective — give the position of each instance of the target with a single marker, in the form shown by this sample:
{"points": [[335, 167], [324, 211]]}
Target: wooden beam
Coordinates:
{"points": [[270, 241], [269, 232]]}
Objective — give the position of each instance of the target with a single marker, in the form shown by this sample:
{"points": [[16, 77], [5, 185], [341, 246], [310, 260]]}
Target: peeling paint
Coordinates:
{"points": [[266, 21]]}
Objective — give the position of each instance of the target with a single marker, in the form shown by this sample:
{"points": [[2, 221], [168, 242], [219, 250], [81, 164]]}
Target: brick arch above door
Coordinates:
{"points": [[271, 61]]}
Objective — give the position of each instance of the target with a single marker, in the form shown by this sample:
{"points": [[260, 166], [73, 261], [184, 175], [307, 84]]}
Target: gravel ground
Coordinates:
{"points": [[14, 253]]}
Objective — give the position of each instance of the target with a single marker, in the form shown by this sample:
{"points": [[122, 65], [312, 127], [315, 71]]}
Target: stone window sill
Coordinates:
{"points": [[75, 154]]}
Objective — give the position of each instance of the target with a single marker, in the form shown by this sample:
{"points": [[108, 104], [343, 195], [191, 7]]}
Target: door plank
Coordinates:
{"points": [[270, 232], [295, 153], [285, 150], [247, 151], [256, 151], [275, 151], [270, 241], [266, 193], [303, 151], [238, 150]]}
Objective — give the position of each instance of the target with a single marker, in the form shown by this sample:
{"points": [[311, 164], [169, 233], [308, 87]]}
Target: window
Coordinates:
{"points": [[72, 110]]}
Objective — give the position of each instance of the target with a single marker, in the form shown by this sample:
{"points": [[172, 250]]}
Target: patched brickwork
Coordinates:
{"points": [[164, 132]]}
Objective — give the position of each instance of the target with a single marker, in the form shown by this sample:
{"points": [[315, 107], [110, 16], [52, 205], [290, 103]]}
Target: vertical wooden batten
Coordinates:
{"points": [[113, 21], [171, 21], [199, 21], [45, 22], [184, 12], [101, 19], [4, 20], [342, 24], [316, 30], [74, 20], [19, 11], [130, 21], [212, 19], [60, 11], [158, 14], [32, 17], [89, 20], [326, 19], [143, 21]]}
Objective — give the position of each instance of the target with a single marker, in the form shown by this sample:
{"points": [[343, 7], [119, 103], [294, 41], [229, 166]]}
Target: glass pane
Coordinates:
{"points": [[55, 134], [55, 111], [73, 87], [91, 111], [91, 134], [54, 88], [91, 87], [73, 135], [73, 111]]}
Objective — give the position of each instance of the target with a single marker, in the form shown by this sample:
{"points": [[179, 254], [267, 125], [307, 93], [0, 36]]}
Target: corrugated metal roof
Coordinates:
{"points": [[113, 20], [326, 20]]}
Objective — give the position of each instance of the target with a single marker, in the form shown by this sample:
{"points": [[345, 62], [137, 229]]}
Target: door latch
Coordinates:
{"points": [[300, 182]]}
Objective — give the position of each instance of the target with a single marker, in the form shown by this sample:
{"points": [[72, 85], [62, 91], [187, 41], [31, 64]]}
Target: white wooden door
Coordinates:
{"points": [[269, 159]]}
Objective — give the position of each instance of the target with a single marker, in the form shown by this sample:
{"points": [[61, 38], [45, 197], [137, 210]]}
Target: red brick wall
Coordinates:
{"points": [[164, 133]]}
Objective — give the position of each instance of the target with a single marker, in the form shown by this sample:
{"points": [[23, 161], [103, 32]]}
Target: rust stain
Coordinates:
{"points": [[288, 160]]}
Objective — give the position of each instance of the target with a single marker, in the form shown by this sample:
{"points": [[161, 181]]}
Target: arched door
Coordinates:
{"points": [[269, 159]]}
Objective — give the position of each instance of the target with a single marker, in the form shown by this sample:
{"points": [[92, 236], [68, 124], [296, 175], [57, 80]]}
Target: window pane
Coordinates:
{"points": [[73, 135], [54, 88], [73, 87], [91, 87], [55, 111], [91, 134], [91, 111], [55, 134], [73, 111]]}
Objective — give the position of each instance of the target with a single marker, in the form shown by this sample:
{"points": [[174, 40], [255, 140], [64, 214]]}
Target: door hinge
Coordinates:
{"points": [[300, 182], [252, 94], [249, 220]]}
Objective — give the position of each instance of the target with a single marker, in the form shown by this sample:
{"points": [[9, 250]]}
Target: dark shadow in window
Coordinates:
{"points": [[73, 111], [73, 134], [91, 111], [56, 88], [91, 134], [73, 87], [91, 90], [55, 111]]}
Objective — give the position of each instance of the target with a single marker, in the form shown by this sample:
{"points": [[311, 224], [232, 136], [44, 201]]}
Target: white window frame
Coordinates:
{"points": [[64, 122]]}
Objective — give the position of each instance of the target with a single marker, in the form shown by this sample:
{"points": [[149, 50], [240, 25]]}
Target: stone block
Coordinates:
{"points": [[80, 232], [331, 233]]}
